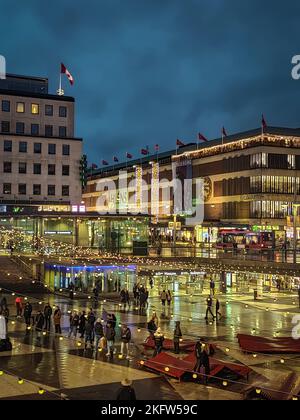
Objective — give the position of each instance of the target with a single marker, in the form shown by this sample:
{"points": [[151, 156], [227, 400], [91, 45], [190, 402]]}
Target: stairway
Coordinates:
{"points": [[13, 277]]}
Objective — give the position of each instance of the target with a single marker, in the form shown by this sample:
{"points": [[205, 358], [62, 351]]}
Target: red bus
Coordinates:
{"points": [[245, 239]]}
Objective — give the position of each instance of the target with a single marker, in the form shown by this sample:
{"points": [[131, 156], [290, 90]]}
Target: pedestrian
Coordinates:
{"points": [[127, 298], [27, 313], [47, 315], [212, 287], [158, 341], [19, 306], [92, 319], [299, 295], [74, 323], [3, 327], [39, 323], [3, 303], [127, 392], [151, 283], [89, 334], [163, 298], [152, 327], [202, 358], [169, 297], [123, 298], [112, 319], [209, 303], [125, 340], [177, 337], [218, 313], [99, 333], [110, 337], [82, 322], [135, 293], [57, 320]]}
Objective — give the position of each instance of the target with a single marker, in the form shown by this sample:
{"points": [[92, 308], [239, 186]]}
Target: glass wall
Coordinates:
{"points": [[106, 279]]}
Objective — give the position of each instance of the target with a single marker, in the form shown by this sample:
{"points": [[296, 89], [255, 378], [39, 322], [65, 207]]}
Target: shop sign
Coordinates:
{"points": [[178, 225]]}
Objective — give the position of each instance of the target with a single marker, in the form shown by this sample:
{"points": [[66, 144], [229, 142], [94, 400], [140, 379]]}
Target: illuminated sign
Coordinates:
{"points": [[58, 232]]}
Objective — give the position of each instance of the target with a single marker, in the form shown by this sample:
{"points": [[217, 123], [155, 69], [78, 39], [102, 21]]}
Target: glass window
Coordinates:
{"points": [[62, 131], [6, 188], [51, 149], [291, 162], [37, 169], [7, 167], [48, 130], [51, 169], [5, 126], [35, 129], [23, 146], [7, 146], [49, 110], [20, 128], [65, 191], [37, 148], [51, 189], [5, 106], [66, 150], [22, 168], [20, 107], [65, 170], [37, 189], [63, 111], [22, 189], [35, 109]]}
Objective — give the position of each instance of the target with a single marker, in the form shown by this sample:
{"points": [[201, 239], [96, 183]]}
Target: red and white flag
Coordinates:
{"points": [[179, 143], [65, 71], [201, 137]]}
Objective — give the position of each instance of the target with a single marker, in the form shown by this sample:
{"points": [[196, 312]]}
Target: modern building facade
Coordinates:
{"points": [[39, 153], [251, 183]]}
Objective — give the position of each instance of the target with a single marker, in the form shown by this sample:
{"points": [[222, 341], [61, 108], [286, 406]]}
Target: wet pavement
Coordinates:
{"points": [[64, 369]]}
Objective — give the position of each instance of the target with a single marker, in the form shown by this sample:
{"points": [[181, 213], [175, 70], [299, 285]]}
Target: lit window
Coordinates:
{"points": [[20, 107], [35, 109]]}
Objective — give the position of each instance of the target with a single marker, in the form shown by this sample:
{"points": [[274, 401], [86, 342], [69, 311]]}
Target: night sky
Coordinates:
{"points": [[152, 71]]}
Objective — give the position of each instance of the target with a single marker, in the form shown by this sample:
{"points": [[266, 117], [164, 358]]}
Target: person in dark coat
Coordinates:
{"points": [[39, 323], [209, 303], [202, 358], [177, 337], [99, 333], [82, 322], [152, 327], [27, 313], [125, 340], [126, 392], [218, 313], [110, 337], [89, 334], [47, 315]]}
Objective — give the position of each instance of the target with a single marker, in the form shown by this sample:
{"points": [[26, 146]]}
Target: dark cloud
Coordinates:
{"points": [[150, 71]]}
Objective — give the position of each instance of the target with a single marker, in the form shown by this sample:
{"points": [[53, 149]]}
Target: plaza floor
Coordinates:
{"points": [[64, 369]]}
